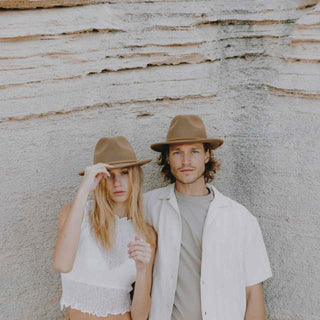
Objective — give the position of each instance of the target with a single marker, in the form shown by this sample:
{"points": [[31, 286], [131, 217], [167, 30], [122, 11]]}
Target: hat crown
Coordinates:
{"points": [[186, 127], [113, 150]]}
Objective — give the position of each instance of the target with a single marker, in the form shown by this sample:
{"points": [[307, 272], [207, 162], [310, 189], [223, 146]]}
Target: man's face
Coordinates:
{"points": [[187, 161]]}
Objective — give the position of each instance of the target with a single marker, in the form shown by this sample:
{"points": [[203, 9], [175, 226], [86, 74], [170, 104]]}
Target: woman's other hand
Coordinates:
{"points": [[141, 252]]}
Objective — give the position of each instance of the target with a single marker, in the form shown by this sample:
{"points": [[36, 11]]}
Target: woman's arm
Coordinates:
{"points": [[70, 219], [143, 253]]}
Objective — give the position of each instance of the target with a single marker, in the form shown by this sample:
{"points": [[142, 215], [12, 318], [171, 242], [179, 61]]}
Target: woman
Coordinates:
{"points": [[104, 244]]}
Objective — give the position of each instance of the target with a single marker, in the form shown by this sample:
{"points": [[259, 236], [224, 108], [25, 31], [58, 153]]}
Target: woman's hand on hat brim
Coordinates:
{"points": [[93, 174]]}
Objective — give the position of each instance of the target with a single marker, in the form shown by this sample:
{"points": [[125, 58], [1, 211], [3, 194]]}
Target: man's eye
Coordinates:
{"points": [[195, 151], [176, 152], [125, 172]]}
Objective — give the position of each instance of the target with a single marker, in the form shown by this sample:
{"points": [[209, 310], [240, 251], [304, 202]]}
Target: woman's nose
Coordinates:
{"points": [[116, 181]]}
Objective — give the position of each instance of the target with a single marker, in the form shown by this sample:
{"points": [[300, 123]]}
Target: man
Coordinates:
{"points": [[211, 257]]}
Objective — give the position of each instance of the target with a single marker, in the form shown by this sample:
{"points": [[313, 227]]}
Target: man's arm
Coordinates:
{"points": [[255, 303]]}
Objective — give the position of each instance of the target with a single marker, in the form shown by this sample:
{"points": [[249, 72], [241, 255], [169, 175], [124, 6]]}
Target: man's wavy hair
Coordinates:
{"points": [[211, 166]]}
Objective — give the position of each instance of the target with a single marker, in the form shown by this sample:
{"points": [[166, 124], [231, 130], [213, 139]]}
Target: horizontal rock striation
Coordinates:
{"points": [[38, 4]]}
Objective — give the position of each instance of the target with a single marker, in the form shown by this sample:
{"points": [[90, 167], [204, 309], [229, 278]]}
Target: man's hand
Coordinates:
{"points": [[255, 303]]}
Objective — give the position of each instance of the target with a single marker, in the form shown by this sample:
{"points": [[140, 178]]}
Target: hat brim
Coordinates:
{"points": [[124, 165], [161, 146]]}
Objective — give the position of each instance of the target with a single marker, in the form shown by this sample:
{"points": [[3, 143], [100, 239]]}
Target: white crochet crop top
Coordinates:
{"points": [[100, 281]]}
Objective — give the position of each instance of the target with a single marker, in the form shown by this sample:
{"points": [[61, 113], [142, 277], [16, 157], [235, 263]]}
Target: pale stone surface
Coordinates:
{"points": [[34, 4], [68, 76]]}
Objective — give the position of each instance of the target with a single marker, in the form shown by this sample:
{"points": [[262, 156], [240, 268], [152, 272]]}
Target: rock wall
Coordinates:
{"points": [[73, 71]]}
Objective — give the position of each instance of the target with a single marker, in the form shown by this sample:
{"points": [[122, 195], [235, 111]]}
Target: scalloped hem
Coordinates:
{"points": [[77, 307]]}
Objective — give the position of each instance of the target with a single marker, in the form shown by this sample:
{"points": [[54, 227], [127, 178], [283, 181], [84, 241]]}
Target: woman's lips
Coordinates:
{"points": [[118, 192]]}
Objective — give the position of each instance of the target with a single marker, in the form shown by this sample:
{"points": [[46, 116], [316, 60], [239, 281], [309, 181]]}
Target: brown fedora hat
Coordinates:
{"points": [[186, 129], [116, 151]]}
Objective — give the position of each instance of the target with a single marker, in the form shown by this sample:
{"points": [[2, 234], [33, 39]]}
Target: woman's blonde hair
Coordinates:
{"points": [[102, 219]]}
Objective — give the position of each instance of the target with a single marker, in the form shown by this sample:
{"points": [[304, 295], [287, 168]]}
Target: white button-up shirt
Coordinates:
{"points": [[233, 255]]}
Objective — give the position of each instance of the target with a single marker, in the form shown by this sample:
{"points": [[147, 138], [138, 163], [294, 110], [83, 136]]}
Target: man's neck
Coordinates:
{"points": [[197, 188]]}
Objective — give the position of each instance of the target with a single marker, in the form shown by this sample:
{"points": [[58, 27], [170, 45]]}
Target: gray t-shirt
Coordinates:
{"points": [[193, 211]]}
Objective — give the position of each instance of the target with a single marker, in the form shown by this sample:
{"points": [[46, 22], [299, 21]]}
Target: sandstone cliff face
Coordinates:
{"points": [[79, 70]]}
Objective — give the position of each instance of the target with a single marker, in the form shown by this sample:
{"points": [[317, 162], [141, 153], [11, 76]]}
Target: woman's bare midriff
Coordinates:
{"points": [[78, 315]]}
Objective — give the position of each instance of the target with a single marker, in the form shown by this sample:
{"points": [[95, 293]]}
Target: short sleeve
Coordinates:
{"points": [[256, 262]]}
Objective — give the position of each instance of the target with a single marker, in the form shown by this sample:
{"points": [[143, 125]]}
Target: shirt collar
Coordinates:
{"points": [[219, 199]]}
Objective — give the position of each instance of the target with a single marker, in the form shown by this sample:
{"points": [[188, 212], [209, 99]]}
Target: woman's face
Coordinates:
{"points": [[119, 185]]}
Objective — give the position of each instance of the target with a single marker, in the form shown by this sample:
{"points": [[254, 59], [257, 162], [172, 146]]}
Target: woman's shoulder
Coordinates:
{"points": [[65, 210]]}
